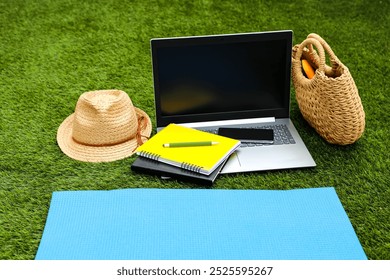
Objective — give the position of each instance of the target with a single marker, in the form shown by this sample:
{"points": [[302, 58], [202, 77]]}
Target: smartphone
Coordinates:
{"points": [[252, 135]]}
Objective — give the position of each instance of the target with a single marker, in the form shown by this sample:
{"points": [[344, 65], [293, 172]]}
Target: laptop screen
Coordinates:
{"points": [[222, 77]]}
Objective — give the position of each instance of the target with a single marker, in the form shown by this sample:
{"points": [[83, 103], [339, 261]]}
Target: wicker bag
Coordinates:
{"points": [[329, 101]]}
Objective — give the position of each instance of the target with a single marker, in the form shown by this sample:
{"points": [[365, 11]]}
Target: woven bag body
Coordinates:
{"points": [[330, 101]]}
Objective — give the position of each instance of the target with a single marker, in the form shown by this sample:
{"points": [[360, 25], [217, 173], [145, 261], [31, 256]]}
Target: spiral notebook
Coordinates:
{"points": [[170, 172], [200, 159]]}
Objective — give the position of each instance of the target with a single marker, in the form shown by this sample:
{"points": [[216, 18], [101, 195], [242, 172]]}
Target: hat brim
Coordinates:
{"points": [[87, 153]]}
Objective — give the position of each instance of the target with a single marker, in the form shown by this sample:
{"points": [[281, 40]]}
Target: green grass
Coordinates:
{"points": [[53, 51]]}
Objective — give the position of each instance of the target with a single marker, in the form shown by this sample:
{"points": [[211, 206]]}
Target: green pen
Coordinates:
{"points": [[189, 144]]}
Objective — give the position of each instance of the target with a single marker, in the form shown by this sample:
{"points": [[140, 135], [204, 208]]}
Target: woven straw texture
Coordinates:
{"points": [[104, 127], [330, 101]]}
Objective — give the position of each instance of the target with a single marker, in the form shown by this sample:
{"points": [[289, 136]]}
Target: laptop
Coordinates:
{"points": [[232, 80]]}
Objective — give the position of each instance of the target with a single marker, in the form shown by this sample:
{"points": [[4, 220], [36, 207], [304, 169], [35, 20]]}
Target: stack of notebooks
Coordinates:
{"points": [[185, 153]]}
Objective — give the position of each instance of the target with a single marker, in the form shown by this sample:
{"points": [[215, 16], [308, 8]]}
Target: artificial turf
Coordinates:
{"points": [[53, 51]]}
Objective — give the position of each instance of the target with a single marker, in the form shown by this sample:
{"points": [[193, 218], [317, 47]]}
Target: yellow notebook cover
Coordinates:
{"points": [[201, 159]]}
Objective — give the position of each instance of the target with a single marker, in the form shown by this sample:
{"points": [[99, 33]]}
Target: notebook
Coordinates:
{"points": [[234, 80], [167, 171], [198, 224], [200, 159]]}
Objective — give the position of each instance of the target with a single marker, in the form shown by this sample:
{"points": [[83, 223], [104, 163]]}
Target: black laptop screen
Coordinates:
{"points": [[222, 77]]}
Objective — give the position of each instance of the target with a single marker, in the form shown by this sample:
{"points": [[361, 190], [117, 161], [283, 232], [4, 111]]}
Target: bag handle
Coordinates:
{"points": [[297, 67], [320, 59], [335, 62]]}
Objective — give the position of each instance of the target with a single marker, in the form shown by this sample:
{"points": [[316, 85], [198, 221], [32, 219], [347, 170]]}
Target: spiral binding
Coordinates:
{"points": [[191, 167], [149, 155]]}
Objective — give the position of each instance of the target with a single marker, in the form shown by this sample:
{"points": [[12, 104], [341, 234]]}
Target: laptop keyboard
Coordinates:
{"points": [[282, 135]]}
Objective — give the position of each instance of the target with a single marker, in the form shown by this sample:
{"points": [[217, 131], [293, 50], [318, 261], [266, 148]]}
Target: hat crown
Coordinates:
{"points": [[104, 117]]}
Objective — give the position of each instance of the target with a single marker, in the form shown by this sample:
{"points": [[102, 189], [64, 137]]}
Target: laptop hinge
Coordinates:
{"points": [[229, 122]]}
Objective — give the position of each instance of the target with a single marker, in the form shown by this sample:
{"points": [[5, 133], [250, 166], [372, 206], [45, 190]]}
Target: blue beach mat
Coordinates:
{"points": [[194, 224]]}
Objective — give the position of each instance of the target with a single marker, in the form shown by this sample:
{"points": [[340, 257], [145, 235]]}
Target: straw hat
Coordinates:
{"points": [[104, 127]]}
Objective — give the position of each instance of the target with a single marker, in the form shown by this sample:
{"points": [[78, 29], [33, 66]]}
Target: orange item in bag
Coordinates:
{"points": [[309, 71]]}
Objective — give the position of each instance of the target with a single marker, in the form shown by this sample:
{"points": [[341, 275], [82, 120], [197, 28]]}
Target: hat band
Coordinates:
{"points": [[101, 145], [142, 121]]}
